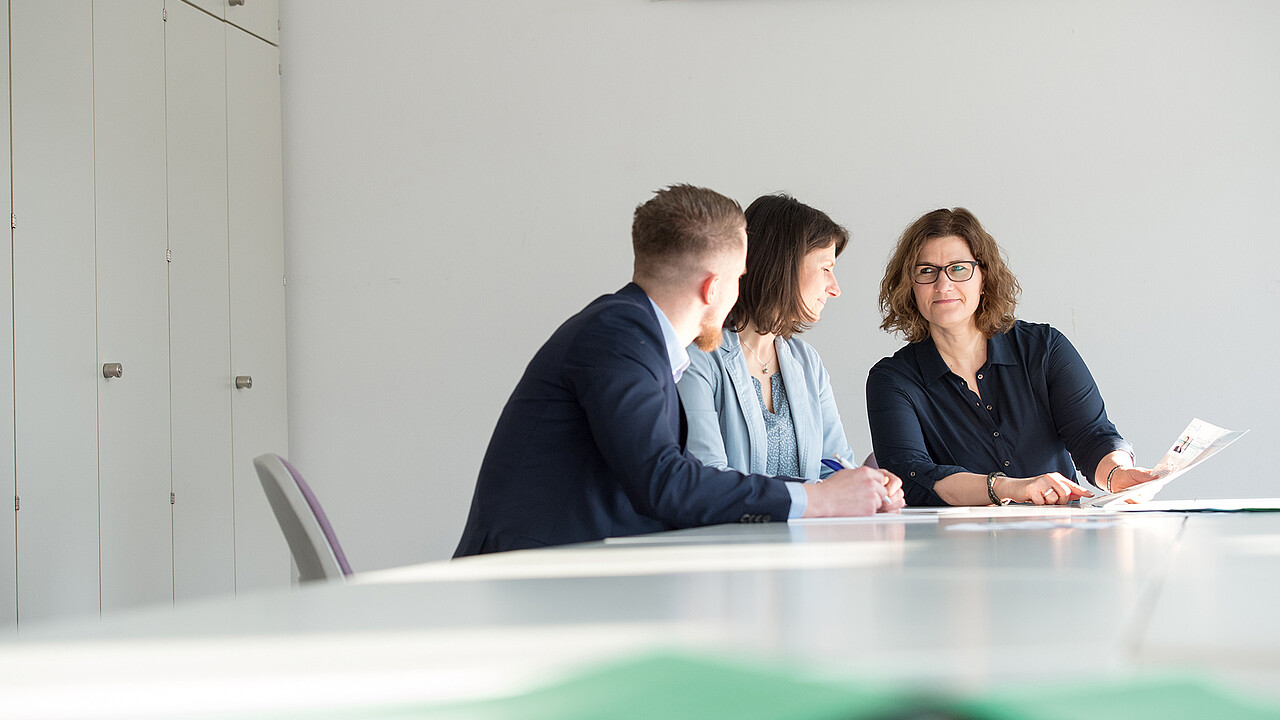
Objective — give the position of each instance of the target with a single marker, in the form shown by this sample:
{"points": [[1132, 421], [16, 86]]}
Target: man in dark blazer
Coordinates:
{"points": [[591, 443]]}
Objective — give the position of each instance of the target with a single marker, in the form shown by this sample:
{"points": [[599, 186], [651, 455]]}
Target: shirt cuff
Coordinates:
{"points": [[799, 500]]}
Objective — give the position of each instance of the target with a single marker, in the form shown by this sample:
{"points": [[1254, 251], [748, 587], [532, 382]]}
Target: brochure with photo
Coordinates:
{"points": [[1197, 443]]}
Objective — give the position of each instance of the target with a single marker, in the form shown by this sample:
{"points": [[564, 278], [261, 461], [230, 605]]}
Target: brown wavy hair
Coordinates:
{"points": [[1000, 289], [781, 231]]}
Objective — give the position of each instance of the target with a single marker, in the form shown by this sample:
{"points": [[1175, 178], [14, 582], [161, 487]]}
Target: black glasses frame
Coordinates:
{"points": [[973, 265]]}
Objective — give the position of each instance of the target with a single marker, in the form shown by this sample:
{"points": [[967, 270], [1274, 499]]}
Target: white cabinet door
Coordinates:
{"points": [[8, 519], [133, 303], [55, 353], [256, 219], [260, 17], [199, 304], [217, 8]]}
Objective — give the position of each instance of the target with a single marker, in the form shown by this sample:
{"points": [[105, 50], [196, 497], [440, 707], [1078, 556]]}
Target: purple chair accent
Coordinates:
{"points": [[321, 518], [314, 545], [871, 461]]}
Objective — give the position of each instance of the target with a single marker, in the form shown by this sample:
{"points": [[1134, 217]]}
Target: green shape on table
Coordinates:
{"points": [[680, 686], [1158, 698], [669, 686]]}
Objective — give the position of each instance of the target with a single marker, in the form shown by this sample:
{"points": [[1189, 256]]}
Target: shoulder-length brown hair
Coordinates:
{"points": [[1000, 288], [781, 231]]}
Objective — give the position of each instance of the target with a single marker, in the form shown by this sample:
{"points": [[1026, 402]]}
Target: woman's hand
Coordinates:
{"points": [[894, 501], [1125, 478], [1047, 489], [1115, 473]]}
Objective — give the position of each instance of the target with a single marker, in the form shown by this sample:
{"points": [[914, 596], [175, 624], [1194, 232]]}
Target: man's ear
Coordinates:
{"points": [[710, 289]]}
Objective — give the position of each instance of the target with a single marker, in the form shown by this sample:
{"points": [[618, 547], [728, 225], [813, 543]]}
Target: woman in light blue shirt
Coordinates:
{"points": [[762, 402]]}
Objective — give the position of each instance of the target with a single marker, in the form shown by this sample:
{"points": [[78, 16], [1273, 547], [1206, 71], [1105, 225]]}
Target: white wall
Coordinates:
{"points": [[460, 177]]}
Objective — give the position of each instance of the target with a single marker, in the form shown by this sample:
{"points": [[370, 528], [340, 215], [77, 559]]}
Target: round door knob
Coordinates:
{"points": [[112, 370], [244, 382]]}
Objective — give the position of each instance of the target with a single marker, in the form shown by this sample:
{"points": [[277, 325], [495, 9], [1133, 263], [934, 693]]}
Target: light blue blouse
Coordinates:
{"points": [[726, 425], [784, 458]]}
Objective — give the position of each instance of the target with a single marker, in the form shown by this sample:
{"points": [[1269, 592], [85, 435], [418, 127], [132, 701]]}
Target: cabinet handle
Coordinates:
{"points": [[112, 370], [234, 3], [244, 382]]}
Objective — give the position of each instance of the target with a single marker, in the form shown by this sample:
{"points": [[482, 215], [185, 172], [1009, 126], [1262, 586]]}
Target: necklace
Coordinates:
{"points": [[764, 366]]}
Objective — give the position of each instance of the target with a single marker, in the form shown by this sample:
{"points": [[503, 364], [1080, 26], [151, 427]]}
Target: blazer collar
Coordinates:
{"points": [[677, 354], [633, 290], [736, 365]]}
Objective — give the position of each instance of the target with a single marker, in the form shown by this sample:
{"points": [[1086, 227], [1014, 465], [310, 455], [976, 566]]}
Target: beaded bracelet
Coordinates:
{"points": [[991, 486]]}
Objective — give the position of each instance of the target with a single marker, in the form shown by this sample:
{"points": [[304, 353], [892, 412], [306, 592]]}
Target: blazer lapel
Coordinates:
{"points": [[745, 389], [801, 412], [684, 425]]}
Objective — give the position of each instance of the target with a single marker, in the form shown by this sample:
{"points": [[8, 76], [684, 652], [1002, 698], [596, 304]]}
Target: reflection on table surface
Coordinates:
{"points": [[959, 602]]}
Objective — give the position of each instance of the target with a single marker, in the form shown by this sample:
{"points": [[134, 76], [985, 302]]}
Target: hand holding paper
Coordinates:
{"points": [[1197, 443], [1125, 478]]}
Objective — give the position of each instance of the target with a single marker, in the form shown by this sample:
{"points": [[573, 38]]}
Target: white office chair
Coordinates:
{"points": [[306, 528]]}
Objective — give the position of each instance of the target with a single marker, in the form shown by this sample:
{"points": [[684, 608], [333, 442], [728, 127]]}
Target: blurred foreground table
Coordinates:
{"points": [[960, 602]]}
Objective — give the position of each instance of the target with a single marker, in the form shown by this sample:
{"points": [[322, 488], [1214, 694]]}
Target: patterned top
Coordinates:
{"points": [[784, 455]]}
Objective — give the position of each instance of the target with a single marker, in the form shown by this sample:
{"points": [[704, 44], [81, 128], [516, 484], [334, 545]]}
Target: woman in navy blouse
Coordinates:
{"points": [[980, 407]]}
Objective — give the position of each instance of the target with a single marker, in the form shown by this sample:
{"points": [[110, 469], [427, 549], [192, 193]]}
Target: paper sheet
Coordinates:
{"points": [[1197, 443]]}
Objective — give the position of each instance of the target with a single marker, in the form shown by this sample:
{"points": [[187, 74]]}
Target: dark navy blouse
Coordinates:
{"points": [[1039, 410]]}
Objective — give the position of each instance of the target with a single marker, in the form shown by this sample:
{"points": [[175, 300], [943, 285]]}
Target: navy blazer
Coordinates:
{"points": [[592, 444]]}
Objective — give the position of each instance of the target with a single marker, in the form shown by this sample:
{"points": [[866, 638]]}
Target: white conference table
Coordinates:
{"points": [[965, 602]]}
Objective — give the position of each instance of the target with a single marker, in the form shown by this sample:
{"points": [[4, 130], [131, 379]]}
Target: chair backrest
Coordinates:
{"points": [[871, 462], [306, 528]]}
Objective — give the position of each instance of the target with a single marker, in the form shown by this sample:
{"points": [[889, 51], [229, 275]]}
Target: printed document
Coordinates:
{"points": [[1199, 442]]}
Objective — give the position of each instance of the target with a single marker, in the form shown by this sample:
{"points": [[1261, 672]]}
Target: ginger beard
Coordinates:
{"points": [[710, 333]]}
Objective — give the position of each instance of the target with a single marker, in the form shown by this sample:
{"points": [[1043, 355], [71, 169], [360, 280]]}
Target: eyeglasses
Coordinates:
{"points": [[958, 272]]}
